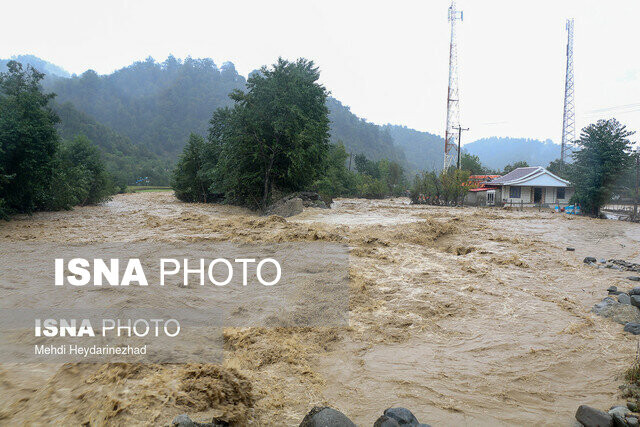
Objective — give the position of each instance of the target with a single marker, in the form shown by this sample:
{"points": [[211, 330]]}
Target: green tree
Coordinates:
{"points": [[28, 140], [603, 156], [563, 170], [338, 180], [191, 178], [471, 163], [275, 136], [515, 165], [366, 166]]}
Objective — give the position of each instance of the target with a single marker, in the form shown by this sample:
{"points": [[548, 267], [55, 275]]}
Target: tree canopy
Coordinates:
{"points": [[603, 155], [36, 172]]}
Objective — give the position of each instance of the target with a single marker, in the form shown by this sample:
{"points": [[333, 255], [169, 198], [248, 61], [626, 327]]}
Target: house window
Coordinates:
{"points": [[514, 192], [560, 193]]}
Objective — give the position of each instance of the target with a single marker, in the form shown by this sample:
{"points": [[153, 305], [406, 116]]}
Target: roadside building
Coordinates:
{"points": [[481, 192], [532, 186]]}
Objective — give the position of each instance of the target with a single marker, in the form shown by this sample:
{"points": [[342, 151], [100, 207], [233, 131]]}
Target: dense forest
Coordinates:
{"points": [[141, 117], [423, 150]]}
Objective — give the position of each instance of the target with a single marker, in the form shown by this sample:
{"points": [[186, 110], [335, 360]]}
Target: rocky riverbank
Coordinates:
{"points": [[323, 416]]}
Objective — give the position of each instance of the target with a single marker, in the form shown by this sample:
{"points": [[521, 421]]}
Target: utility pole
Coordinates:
{"points": [[635, 203], [453, 110], [460, 129], [569, 114]]}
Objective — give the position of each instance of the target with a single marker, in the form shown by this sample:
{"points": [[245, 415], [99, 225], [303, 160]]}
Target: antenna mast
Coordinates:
{"points": [[453, 110], [569, 115]]}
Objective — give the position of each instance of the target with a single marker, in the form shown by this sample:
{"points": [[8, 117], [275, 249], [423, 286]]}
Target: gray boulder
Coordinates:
{"points": [[183, 420], [624, 298], [633, 328], [620, 410], [634, 278], [385, 421], [620, 313], [635, 300], [402, 416], [326, 417], [286, 208], [633, 422], [613, 290], [591, 417], [618, 420], [635, 291], [589, 260]]}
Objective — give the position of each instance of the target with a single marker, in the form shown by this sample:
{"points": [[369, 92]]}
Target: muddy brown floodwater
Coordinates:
{"points": [[464, 315]]}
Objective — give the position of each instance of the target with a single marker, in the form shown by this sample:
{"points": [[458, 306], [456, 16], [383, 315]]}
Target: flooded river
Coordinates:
{"points": [[466, 316]]}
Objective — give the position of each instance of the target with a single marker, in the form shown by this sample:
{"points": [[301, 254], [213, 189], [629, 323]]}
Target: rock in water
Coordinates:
{"points": [[620, 313], [183, 420], [633, 328], [620, 410], [589, 260], [591, 417], [624, 299], [385, 421], [326, 417], [402, 416], [287, 208]]}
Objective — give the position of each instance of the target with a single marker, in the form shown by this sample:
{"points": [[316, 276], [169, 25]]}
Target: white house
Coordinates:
{"points": [[533, 186]]}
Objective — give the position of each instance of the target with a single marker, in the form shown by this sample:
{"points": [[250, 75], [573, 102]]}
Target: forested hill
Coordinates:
{"points": [[157, 105], [423, 150], [124, 160], [360, 136], [496, 153], [146, 111], [41, 65]]}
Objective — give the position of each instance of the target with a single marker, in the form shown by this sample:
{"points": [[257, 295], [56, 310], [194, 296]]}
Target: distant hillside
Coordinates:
{"points": [[360, 136], [39, 64], [125, 161], [423, 150], [156, 105], [496, 153], [147, 110]]}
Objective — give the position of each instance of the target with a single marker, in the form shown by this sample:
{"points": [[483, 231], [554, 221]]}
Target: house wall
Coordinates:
{"points": [[526, 196], [479, 198]]}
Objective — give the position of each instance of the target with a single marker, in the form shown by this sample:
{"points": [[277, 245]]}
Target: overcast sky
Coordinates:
{"points": [[387, 60]]}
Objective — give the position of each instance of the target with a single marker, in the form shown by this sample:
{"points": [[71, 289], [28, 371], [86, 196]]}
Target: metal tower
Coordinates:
{"points": [[569, 115], [453, 110]]}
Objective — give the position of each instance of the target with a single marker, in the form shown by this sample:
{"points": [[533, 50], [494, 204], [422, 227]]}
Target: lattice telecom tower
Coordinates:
{"points": [[453, 108], [569, 116]]}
